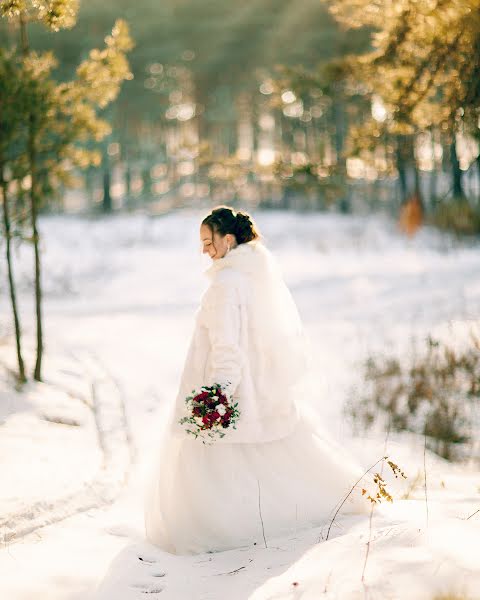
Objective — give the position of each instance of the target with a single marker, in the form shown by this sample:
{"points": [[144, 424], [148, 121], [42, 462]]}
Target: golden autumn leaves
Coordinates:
{"points": [[382, 492]]}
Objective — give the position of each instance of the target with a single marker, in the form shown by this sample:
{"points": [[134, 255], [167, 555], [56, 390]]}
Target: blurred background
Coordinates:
{"points": [[312, 106]]}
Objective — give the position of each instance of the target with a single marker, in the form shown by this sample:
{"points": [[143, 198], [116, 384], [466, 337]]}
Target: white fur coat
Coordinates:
{"points": [[248, 337]]}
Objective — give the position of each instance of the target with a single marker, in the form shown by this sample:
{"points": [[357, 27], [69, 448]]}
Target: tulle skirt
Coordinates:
{"points": [[207, 497]]}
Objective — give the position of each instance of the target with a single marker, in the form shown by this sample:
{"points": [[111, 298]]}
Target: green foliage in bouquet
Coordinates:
{"points": [[210, 413]]}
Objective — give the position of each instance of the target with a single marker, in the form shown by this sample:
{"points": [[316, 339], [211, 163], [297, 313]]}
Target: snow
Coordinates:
{"points": [[35, 423], [120, 294], [78, 407]]}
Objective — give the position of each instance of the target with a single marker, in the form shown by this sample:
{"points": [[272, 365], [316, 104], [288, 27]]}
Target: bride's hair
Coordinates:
{"points": [[224, 219]]}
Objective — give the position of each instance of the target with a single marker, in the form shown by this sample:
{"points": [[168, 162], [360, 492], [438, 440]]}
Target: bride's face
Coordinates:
{"points": [[216, 245]]}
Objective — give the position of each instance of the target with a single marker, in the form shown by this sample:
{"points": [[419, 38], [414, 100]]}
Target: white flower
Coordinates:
{"points": [[220, 408], [215, 398]]}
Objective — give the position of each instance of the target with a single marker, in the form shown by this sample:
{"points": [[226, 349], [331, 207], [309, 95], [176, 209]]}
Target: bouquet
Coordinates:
{"points": [[210, 413]]}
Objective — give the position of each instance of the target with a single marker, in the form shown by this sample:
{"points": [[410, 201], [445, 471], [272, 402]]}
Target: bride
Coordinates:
{"points": [[276, 471]]}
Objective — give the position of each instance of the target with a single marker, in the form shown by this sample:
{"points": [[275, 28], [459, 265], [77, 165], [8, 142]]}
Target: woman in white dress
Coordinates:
{"points": [[276, 472]]}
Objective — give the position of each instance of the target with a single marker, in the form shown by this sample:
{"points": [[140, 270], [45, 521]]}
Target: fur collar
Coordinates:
{"points": [[244, 257]]}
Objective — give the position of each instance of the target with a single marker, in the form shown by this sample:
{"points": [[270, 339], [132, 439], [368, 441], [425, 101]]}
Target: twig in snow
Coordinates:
{"points": [[5, 542], [369, 541], [234, 570], [425, 470], [146, 560], [372, 508], [477, 511], [230, 572], [351, 490], [260, 512]]}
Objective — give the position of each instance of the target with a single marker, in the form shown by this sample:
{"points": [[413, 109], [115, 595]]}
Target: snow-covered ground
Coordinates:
{"points": [[35, 424], [120, 295]]}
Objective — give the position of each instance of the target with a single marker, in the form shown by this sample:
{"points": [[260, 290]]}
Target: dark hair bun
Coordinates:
{"points": [[245, 230], [224, 219]]}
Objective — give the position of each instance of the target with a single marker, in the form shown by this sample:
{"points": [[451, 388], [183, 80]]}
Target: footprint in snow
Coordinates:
{"points": [[147, 559], [145, 588]]}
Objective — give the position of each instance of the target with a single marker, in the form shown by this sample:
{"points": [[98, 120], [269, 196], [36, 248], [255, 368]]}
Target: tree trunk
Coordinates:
{"points": [[11, 279], [32, 159], [416, 179], [478, 175], [341, 126], [107, 198], [36, 247], [433, 177], [339, 118], [128, 201], [147, 181], [401, 168], [456, 172]]}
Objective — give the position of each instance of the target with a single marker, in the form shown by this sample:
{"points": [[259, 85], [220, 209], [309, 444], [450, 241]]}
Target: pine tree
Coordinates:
{"points": [[61, 117], [13, 86], [424, 66]]}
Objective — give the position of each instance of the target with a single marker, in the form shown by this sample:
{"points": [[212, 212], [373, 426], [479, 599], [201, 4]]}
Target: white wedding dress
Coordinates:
{"points": [[215, 497], [269, 480]]}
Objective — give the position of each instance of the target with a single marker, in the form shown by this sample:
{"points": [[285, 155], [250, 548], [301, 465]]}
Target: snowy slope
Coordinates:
{"points": [[124, 290]]}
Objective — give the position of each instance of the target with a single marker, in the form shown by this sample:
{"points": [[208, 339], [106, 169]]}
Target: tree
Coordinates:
{"points": [[61, 117], [424, 65], [221, 45], [14, 86]]}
